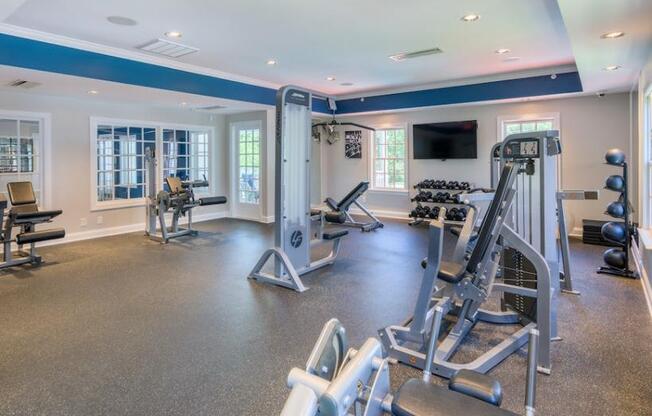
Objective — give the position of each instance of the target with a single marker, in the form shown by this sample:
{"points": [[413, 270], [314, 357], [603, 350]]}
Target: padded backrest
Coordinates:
{"points": [[174, 184], [346, 202], [21, 193], [490, 219]]}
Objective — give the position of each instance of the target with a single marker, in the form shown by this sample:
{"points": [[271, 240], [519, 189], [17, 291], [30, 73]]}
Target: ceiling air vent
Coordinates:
{"points": [[167, 48], [210, 109], [21, 83], [417, 54]]}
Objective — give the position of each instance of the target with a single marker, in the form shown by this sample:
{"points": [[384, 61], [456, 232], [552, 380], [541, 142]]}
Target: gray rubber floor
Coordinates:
{"points": [[126, 326]]}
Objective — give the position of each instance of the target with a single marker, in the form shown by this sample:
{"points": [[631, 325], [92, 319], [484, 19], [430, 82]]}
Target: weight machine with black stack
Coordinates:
{"points": [[618, 232]]}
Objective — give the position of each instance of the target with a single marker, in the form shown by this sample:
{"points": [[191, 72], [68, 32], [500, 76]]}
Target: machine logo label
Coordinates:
{"points": [[296, 239]]}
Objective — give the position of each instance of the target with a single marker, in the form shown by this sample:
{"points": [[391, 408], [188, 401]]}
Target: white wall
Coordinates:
{"points": [[70, 156], [644, 88], [589, 126]]}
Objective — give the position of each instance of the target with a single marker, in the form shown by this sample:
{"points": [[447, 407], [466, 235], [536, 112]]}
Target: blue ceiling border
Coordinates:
{"points": [[33, 54], [496, 90], [43, 56]]}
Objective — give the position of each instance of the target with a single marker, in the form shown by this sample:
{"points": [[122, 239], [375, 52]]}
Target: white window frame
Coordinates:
{"points": [[45, 162], [159, 127], [372, 152], [234, 191], [556, 125], [646, 156]]}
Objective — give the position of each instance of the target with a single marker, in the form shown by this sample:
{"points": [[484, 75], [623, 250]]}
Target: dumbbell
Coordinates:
{"points": [[445, 196], [460, 215], [465, 186], [413, 213], [428, 195]]}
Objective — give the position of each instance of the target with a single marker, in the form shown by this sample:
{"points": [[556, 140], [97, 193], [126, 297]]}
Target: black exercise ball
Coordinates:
{"points": [[614, 231], [615, 157], [615, 183], [616, 209], [615, 257]]}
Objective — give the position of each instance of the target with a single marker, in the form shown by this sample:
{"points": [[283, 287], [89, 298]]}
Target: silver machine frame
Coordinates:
{"points": [[155, 209], [293, 240], [408, 342], [338, 381], [549, 168]]}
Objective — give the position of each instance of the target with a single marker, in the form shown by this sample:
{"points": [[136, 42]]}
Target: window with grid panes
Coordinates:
{"points": [[20, 146], [121, 162], [389, 159], [185, 154], [249, 165]]}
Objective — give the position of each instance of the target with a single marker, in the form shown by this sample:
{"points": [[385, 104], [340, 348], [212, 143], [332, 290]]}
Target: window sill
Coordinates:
{"points": [[390, 191], [110, 205]]}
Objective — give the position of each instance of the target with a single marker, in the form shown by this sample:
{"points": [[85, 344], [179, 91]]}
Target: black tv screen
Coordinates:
{"points": [[451, 140]]}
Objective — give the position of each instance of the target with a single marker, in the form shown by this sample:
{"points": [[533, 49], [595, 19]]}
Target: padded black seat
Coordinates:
{"points": [[22, 214], [419, 398], [212, 200], [335, 217], [36, 236], [315, 212], [478, 385], [451, 272], [335, 234]]}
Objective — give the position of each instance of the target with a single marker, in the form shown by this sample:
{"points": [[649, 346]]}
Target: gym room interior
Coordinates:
{"points": [[254, 207]]}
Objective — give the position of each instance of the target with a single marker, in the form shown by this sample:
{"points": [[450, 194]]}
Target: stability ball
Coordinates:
{"points": [[615, 183], [616, 209], [615, 157], [614, 231], [615, 257]]}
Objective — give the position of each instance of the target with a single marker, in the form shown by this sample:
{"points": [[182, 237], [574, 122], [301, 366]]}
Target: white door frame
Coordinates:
{"points": [[234, 164]]}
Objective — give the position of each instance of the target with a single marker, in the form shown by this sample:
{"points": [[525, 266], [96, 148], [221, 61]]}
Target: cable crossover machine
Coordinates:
{"points": [[294, 237]]}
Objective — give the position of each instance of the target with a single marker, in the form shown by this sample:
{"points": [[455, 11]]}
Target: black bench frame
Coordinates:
{"points": [[352, 198]]}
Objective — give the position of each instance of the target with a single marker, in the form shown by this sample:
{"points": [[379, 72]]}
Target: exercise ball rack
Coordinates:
{"points": [[621, 231]]}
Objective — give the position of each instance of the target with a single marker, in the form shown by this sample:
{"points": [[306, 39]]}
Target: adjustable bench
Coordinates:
{"points": [[352, 199], [25, 215]]}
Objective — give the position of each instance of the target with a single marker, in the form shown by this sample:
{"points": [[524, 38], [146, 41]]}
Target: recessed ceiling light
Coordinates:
{"points": [[346, 84], [122, 21], [502, 51], [613, 35], [271, 62], [471, 17], [173, 34], [93, 92], [612, 67], [330, 78]]}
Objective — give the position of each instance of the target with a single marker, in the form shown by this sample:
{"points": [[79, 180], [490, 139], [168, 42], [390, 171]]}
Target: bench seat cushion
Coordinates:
{"points": [[332, 235], [418, 398]]}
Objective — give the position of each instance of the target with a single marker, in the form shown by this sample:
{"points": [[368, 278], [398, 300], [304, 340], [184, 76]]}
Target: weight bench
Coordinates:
{"points": [[352, 199], [24, 214], [337, 379]]}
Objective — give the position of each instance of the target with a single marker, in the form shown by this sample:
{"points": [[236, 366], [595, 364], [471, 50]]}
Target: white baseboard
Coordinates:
{"points": [[576, 232], [124, 229], [268, 219]]}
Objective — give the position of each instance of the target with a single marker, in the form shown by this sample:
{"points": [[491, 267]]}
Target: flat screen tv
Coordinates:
{"points": [[450, 140]]}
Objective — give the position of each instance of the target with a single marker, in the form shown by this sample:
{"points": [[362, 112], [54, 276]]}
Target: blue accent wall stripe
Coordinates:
{"points": [[496, 90], [43, 56]]}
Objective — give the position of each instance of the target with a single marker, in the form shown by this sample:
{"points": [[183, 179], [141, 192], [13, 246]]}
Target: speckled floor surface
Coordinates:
{"points": [[126, 326]]}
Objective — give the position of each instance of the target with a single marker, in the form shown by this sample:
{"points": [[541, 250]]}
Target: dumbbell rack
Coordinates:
{"points": [[448, 204]]}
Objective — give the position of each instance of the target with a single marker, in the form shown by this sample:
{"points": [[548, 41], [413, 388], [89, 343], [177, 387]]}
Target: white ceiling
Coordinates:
{"points": [[311, 40], [78, 87], [587, 20]]}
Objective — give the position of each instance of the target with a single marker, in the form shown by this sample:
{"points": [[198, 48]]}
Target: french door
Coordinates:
{"points": [[246, 174]]}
